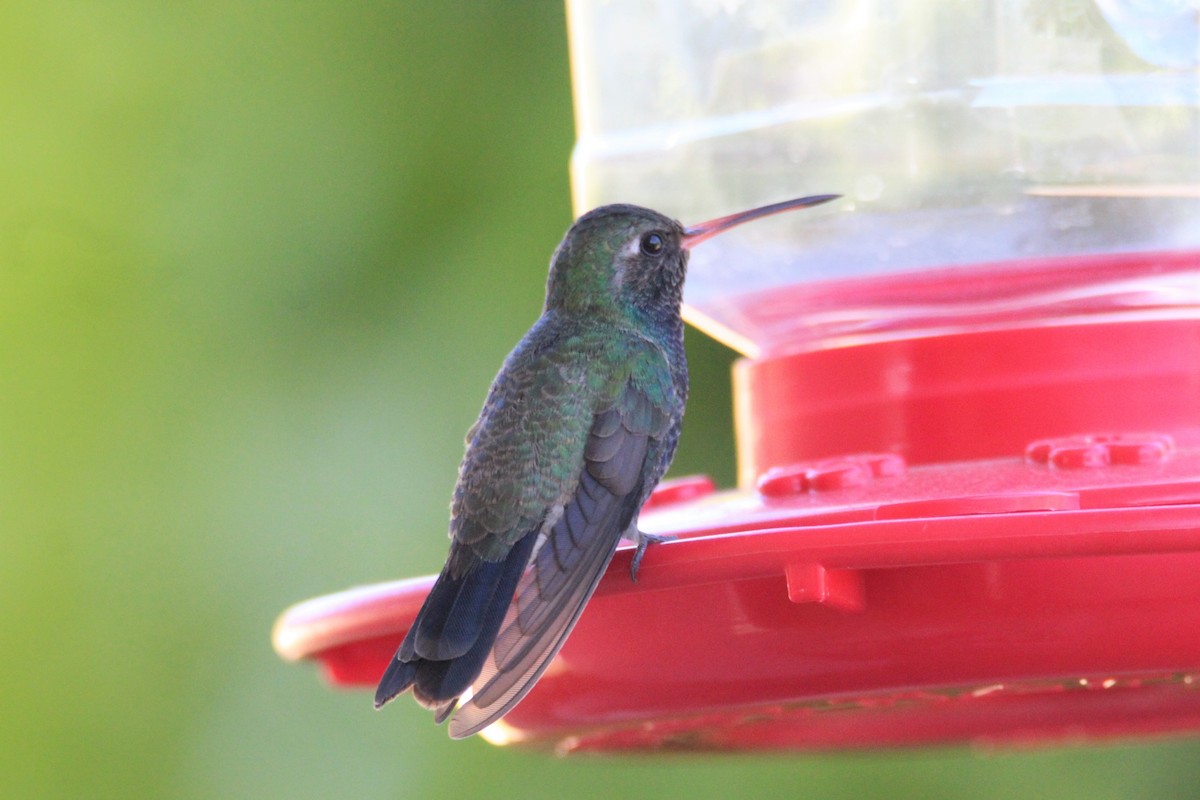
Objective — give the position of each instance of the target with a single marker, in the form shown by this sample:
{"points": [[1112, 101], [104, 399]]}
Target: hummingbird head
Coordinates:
{"points": [[625, 260], [617, 259]]}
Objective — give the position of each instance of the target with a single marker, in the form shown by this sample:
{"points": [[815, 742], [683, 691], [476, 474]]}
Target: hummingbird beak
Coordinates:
{"points": [[696, 234]]}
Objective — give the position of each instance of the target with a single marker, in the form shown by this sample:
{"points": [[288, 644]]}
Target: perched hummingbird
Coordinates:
{"points": [[577, 429]]}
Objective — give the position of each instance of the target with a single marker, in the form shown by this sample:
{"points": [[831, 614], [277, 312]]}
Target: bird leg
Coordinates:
{"points": [[643, 540]]}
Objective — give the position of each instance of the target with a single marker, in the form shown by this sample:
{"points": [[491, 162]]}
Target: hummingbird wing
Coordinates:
{"points": [[557, 467], [621, 466], [522, 454]]}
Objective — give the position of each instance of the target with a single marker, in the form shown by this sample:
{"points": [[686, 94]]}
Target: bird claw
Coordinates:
{"points": [[644, 540]]}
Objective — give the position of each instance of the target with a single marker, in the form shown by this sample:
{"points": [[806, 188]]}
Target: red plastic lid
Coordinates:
{"points": [[854, 602]]}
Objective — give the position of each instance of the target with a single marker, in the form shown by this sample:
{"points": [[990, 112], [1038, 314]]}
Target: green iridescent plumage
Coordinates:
{"points": [[525, 454]]}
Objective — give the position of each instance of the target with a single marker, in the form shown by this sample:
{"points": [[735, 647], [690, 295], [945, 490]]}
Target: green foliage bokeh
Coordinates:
{"points": [[258, 263]]}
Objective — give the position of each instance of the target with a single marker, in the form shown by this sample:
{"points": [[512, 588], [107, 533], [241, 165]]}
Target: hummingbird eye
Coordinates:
{"points": [[652, 244]]}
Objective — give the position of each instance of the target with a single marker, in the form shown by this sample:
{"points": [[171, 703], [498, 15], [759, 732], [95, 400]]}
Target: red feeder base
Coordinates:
{"points": [[1048, 603], [965, 580]]}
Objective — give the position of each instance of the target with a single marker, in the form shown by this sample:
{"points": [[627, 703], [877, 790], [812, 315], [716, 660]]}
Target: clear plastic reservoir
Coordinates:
{"points": [[1002, 161]]}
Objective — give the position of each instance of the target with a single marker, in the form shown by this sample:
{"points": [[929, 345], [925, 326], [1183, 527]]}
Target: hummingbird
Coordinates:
{"points": [[577, 429]]}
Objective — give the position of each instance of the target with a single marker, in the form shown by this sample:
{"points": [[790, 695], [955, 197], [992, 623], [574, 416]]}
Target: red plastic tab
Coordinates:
{"points": [[1100, 450], [838, 588], [830, 474]]}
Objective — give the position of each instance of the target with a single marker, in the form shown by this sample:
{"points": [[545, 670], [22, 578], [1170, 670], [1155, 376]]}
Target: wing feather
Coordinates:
{"points": [[566, 569]]}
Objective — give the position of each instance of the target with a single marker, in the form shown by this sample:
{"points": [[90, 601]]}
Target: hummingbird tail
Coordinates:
{"points": [[446, 647], [395, 681]]}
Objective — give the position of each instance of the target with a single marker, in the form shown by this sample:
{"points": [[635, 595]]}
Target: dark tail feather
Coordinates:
{"points": [[450, 619], [448, 643], [398, 677]]}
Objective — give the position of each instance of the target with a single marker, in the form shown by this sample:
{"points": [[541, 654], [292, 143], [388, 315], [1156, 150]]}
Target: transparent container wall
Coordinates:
{"points": [[995, 156]]}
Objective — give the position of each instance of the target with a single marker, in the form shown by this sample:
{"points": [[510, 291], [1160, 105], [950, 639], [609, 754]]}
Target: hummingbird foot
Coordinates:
{"points": [[643, 541]]}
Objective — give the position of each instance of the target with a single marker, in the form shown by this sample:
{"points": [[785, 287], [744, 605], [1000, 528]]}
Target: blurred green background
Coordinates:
{"points": [[258, 263]]}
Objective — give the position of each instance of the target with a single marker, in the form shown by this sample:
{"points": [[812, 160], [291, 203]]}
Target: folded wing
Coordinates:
{"points": [[570, 561]]}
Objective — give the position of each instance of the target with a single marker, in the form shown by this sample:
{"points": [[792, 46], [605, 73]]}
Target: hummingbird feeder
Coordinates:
{"points": [[968, 412]]}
